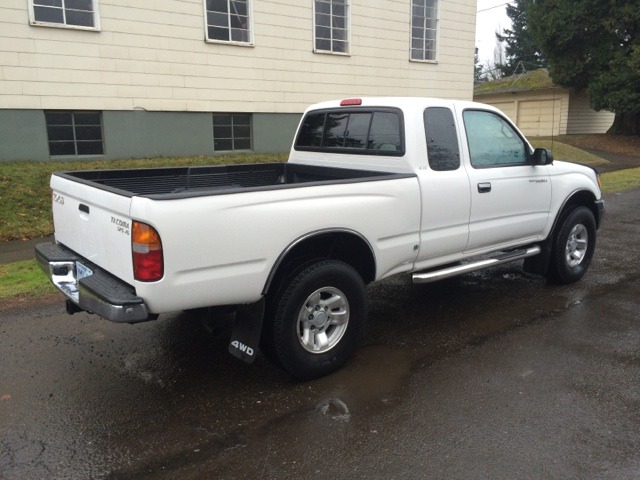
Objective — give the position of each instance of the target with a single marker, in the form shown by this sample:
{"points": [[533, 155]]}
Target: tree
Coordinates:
{"points": [[495, 72], [521, 50], [594, 45], [478, 76]]}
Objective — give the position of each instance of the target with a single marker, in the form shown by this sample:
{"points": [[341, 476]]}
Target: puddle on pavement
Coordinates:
{"points": [[372, 375]]}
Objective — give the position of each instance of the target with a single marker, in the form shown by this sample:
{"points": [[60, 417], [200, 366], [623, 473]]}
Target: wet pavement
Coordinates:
{"points": [[18, 250], [491, 375]]}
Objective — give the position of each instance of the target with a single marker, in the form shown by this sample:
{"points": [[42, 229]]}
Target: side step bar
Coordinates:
{"points": [[435, 275]]}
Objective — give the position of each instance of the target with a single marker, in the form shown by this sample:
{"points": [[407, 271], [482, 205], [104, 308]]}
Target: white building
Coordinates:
{"points": [[123, 78]]}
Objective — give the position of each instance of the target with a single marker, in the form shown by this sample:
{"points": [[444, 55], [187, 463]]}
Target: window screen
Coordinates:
{"points": [[74, 133], [331, 26], [228, 20], [231, 131], [72, 13]]}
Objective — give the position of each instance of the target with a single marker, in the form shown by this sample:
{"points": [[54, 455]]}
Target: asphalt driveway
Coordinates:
{"points": [[495, 375]]}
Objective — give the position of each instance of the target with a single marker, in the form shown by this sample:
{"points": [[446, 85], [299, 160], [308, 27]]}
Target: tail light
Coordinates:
{"points": [[347, 102], [148, 262]]}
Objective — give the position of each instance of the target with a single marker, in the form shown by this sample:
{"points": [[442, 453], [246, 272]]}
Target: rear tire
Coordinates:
{"points": [[319, 319], [573, 246]]}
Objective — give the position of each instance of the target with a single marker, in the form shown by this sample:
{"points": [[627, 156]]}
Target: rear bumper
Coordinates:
{"points": [[99, 293]]}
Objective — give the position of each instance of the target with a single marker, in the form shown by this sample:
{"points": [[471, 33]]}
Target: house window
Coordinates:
{"points": [[424, 29], [331, 26], [231, 131], [74, 133], [65, 13], [228, 21]]}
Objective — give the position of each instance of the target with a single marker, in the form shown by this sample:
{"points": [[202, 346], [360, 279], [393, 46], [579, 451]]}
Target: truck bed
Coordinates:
{"points": [[184, 182]]}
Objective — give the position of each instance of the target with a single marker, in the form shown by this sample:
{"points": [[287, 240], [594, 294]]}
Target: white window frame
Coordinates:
{"points": [[96, 18], [437, 39], [249, 43], [348, 28]]}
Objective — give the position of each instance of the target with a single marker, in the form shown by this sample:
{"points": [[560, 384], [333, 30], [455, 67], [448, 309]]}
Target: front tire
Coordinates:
{"points": [[573, 247], [319, 318]]}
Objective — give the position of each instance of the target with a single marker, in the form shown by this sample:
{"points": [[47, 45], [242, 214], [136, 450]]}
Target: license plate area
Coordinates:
{"points": [[82, 271]]}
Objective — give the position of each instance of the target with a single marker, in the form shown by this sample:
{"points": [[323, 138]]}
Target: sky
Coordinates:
{"points": [[491, 16]]}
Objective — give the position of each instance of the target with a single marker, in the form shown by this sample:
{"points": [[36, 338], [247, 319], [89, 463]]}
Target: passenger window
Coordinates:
{"points": [[492, 141], [442, 139]]}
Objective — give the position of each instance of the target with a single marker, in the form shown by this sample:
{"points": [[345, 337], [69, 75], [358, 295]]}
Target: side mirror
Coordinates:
{"points": [[542, 156]]}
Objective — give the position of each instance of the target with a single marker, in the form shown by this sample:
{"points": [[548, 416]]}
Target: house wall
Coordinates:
{"points": [[140, 134], [151, 56], [537, 113], [584, 119]]}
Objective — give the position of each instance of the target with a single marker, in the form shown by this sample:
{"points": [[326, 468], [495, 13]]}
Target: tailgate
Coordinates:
{"points": [[95, 224]]}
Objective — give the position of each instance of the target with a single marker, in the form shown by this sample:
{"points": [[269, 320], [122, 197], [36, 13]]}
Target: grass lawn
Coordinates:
{"points": [[21, 279], [621, 180], [567, 153], [25, 195]]}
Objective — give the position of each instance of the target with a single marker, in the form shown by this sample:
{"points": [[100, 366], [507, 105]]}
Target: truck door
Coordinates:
{"points": [[445, 190], [510, 197]]}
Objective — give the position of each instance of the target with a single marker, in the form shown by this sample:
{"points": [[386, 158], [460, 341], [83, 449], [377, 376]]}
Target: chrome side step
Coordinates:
{"points": [[435, 275]]}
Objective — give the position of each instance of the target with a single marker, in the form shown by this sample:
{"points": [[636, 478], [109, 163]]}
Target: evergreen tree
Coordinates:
{"points": [[594, 45], [477, 68], [521, 50]]}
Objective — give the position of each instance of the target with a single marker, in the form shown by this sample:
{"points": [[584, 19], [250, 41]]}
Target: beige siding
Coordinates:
{"points": [[151, 55], [540, 113], [508, 108], [583, 119]]}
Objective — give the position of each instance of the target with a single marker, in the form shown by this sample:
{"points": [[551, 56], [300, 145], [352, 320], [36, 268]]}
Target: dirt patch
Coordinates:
{"points": [[621, 152], [11, 305], [618, 144]]}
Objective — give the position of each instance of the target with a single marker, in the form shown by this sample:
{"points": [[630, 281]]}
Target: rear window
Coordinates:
{"points": [[361, 131]]}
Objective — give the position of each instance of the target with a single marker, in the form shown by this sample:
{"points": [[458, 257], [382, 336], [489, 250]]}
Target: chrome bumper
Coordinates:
{"points": [[98, 293]]}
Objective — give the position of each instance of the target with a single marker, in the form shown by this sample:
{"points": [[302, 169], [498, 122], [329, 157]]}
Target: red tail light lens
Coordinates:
{"points": [[146, 247], [348, 102]]}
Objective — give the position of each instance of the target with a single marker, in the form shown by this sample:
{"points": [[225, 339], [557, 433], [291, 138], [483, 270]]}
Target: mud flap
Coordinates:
{"points": [[539, 264], [245, 338]]}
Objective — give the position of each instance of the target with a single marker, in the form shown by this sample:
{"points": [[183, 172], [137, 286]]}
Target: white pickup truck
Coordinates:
{"points": [[373, 187]]}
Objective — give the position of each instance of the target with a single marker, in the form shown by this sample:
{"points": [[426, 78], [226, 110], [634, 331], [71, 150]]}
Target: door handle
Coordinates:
{"points": [[484, 187]]}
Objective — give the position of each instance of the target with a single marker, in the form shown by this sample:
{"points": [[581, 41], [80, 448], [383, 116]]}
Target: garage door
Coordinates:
{"points": [[537, 118]]}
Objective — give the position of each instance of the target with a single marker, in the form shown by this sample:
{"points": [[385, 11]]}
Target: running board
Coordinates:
{"points": [[449, 272]]}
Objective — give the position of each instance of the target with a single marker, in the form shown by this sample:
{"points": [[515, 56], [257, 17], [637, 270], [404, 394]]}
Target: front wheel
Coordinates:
{"points": [[319, 318], [573, 247]]}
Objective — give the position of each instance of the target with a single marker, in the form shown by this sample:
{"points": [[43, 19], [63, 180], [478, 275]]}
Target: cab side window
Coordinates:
{"points": [[442, 139], [492, 141]]}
